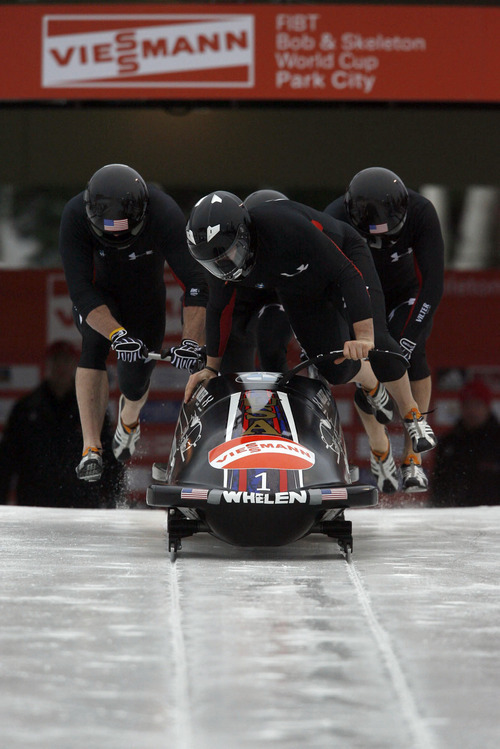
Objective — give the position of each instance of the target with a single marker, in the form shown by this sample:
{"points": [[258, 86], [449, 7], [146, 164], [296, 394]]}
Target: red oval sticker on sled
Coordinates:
{"points": [[260, 451]]}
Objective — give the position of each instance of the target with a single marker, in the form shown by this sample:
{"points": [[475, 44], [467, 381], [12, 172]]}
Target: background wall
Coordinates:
{"points": [[294, 148]]}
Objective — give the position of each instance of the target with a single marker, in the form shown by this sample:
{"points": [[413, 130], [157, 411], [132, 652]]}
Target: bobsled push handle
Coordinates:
{"points": [[329, 355], [164, 355]]}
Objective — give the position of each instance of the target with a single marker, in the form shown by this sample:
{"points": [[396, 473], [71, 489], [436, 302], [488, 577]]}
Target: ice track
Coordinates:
{"points": [[106, 643]]}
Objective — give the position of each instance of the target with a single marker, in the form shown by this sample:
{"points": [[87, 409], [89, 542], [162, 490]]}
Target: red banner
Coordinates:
{"points": [[466, 325], [250, 52]]}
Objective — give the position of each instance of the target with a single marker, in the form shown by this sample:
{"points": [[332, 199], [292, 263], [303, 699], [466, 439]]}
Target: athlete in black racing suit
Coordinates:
{"points": [[325, 279], [114, 241], [404, 234], [259, 325]]}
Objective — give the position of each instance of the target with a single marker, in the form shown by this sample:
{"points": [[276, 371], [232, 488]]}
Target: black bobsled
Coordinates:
{"points": [[259, 459]]}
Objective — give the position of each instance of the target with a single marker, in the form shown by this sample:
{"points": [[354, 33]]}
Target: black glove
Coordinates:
{"points": [[188, 355], [127, 347]]}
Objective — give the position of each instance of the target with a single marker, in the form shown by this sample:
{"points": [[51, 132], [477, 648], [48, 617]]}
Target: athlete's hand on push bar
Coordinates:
{"points": [[127, 347]]}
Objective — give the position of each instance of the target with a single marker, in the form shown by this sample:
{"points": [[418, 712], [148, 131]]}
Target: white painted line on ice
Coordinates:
{"points": [[422, 739], [179, 687]]}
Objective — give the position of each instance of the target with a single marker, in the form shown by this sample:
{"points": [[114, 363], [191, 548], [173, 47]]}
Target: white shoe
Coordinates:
{"points": [[421, 434], [125, 439], [414, 478], [385, 471], [90, 467], [377, 402]]}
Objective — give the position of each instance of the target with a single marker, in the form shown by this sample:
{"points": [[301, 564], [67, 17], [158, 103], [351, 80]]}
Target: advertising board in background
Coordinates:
{"points": [[250, 52]]}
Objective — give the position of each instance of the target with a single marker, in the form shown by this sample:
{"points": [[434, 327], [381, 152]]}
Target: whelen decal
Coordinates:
{"points": [[261, 451], [260, 498], [110, 50]]}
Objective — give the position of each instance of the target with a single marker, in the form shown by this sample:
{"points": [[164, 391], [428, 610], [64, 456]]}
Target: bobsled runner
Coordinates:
{"points": [[259, 459]]}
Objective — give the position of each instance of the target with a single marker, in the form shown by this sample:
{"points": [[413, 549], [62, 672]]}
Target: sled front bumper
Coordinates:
{"points": [[160, 495]]}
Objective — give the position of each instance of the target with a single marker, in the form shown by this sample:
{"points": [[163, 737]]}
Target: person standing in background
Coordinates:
{"points": [[42, 440], [467, 458]]}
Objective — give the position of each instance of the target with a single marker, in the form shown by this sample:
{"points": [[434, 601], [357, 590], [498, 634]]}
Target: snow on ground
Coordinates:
{"points": [[107, 644]]}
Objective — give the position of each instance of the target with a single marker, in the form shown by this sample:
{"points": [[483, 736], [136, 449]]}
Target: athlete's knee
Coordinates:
{"points": [[134, 378], [387, 368], [339, 374], [419, 369]]}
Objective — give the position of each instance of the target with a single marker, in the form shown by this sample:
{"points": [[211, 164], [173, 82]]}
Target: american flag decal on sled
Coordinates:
{"points": [[194, 493], [333, 494]]}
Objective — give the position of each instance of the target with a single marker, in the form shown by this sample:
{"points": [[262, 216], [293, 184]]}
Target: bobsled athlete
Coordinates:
{"points": [[324, 276], [404, 235], [259, 325], [114, 240]]}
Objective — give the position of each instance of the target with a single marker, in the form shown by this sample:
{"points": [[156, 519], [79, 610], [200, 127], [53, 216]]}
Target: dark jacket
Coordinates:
{"points": [[40, 449], [467, 466]]}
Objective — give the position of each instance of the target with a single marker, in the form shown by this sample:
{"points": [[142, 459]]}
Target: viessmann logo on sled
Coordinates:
{"points": [[260, 451], [171, 50]]}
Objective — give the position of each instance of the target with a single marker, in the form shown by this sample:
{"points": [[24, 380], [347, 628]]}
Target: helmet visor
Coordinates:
{"points": [[232, 263], [397, 229]]}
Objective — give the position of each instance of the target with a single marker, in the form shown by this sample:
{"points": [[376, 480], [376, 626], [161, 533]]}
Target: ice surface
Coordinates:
{"points": [[105, 643]]}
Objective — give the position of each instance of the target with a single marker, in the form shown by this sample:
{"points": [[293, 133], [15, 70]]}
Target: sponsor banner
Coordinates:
{"points": [[246, 51], [260, 451]]}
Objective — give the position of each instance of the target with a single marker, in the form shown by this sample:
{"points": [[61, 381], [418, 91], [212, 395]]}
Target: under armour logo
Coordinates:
{"points": [[395, 256], [133, 256], [300, 269]]}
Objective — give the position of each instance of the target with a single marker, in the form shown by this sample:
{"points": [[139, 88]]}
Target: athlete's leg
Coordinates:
{"points": [[92, 393], [91, 382], [132, 409], [148, 324], [273, 336], [241, 348], [421, 391], [320, 328]]}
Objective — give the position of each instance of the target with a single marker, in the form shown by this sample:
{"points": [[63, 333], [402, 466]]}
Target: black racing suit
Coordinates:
{"points": [[259, 327], [411, 271], [324, 276], [130, 282]]}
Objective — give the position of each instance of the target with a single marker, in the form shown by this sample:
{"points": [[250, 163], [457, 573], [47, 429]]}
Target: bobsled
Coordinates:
{"points": [[259, 459]]}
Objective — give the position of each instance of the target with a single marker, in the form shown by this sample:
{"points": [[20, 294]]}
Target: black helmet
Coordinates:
{"points": [[376, 202], [116, 199], [218, 235], [262, 196]]}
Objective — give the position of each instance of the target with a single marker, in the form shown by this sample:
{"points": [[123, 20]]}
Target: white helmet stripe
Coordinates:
{"points": [[212, 231]]}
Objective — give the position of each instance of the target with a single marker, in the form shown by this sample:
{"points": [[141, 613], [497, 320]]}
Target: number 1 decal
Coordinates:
{"points": [[264, 487]]}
